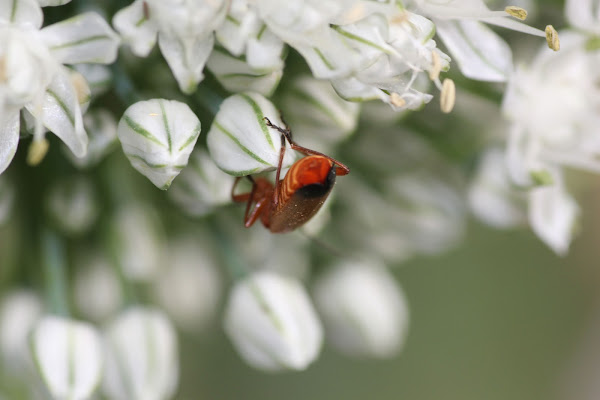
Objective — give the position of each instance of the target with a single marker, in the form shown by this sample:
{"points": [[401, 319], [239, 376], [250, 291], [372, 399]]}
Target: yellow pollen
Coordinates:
{"points": [[552, 38], [447, 96], [37, 151], [400, 18], [396, 100], [436, 68], [517, 12]]}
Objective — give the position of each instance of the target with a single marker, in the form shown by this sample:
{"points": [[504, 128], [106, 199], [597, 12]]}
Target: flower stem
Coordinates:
{"points": [[54, 265]]}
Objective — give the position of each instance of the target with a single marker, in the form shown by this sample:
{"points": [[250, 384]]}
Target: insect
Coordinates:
{"points": [[294, 200]]}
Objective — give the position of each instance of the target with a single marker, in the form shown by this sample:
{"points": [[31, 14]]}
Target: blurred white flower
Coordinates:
{"points": [[239, 140], [72, 203], [363, 309], [142, 361], [493, 198], [19, 311], [101, 127], [583, 15], [139, 242], [190, 288], [96, 287], [7, 199], [480, 53], [319, 116], [158, 137], [98, 77], [68, 355], [185, 31], [201, 186], [272, 323], [33, 76]]}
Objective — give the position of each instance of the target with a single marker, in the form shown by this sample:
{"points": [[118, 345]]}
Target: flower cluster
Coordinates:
{"points": [[123, 270]]}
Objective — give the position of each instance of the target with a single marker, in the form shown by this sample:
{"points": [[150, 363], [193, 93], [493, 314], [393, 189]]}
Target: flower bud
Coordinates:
{"points": [[319, 116], [7, 199], [202, 186], [19, 310], [363, 309], [190, 289], [158, 136], [73, 205], [141, 356], [272, 323], [68, 356], [239, 140]]}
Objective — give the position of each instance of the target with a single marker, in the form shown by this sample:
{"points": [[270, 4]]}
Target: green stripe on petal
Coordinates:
{"points": [[260, 117], [137, 128], [239, 144]]}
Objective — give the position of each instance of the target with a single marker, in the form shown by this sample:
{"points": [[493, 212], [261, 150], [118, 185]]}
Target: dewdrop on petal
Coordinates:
{"points": [[158, 136]]}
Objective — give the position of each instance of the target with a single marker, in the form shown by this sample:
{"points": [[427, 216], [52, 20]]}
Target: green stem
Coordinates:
{"points": [[54, 264]]}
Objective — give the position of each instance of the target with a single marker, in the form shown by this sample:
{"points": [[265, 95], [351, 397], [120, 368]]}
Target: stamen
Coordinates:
{"points": [[447, 96], [436, 68], [552, 38], [517, 12], [400, 18], [2, 69], [396, 100], [81, 87], [37, 151]]}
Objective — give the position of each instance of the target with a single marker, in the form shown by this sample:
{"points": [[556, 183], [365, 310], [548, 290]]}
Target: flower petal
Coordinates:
{"points": [[9, 136], [480, 53], [21, 12], [61, 112], [85, 38], [136, 29], [53, 3], [186, 57], [239, 140], [158, 136]]}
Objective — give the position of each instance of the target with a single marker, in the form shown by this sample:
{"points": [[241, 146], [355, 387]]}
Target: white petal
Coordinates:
{"points": [[102, 130], [141, 356], [363, 309], [73, 204], [9, 136], [272, 323], [480, 53], [202, 186], [69, 357], [241, 24], [137, 31], [21, 12], [553, 214], [85, 38], [579, 13], [237, 76], [98, 77], [265, 51], [158, 136], [186, 57], [61, 113], [239, 140], [53, 3]]}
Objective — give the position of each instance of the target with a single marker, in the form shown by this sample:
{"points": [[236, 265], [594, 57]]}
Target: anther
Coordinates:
{"points": [[552, 38], [37, 151], [436, 67], [448, 95], [517, 12]]}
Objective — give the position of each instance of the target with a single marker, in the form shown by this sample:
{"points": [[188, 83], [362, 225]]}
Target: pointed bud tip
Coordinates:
{"points": [[517, 12], [552, 38], [447, 96]]}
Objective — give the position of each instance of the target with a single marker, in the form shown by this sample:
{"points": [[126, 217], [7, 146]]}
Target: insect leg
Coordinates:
{"points": [[279, 165], [341, 169], [243, 197]]}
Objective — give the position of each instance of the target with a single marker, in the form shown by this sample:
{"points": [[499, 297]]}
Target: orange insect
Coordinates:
{"points": [[294, 200]]}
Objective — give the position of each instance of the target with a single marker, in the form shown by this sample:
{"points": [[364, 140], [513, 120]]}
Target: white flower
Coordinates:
{"points": [[19, 310], [553, 110], [190, 288], [141, 356], [363, 309], [272, 323], [553, 214], [138, 241], [185, 30], [493, 198], [68, 355], [239, 140], [73, 205], [480, 53], [581, 15], [96, 287], [33, 77], [319, 116], [158, 136]]}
